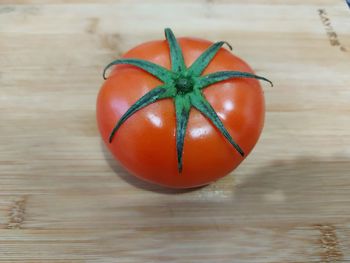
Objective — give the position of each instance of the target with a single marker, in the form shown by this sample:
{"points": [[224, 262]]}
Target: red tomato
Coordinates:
{"points": [[145, 144]]}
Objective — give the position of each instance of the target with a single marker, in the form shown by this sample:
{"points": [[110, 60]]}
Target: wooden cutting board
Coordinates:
{"points": [[64, 199]]}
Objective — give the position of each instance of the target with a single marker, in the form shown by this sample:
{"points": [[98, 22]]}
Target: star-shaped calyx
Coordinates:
{"points": [[184, 85]]}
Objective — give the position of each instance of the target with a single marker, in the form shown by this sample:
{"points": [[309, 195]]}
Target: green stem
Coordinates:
{"points": [[160, 92], [200, 103], [182, 109], [204, 59], [159, 72], [212, 78], [177, 59]]}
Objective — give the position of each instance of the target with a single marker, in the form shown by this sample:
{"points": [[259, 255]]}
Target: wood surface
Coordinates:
{"points": [[64, 199]]}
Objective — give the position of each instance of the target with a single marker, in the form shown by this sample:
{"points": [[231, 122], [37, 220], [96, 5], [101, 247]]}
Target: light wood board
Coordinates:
{"points": [[64, 199]]}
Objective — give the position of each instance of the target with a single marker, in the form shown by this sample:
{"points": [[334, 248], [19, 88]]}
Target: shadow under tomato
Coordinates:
{"points": [[307, 189], [131, 179], [308, 186]]}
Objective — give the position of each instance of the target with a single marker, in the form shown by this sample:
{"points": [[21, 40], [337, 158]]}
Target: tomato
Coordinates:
{"points": [[183, 136]]}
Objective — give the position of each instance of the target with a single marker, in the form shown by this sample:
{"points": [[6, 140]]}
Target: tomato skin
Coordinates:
{"points": [[145, 143]]}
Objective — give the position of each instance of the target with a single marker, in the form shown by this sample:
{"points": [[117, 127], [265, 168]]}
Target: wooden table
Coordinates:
{"points": [[64, 199]]}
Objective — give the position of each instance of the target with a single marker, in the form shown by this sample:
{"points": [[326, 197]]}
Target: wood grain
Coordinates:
{"points": [[64, 199]]}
